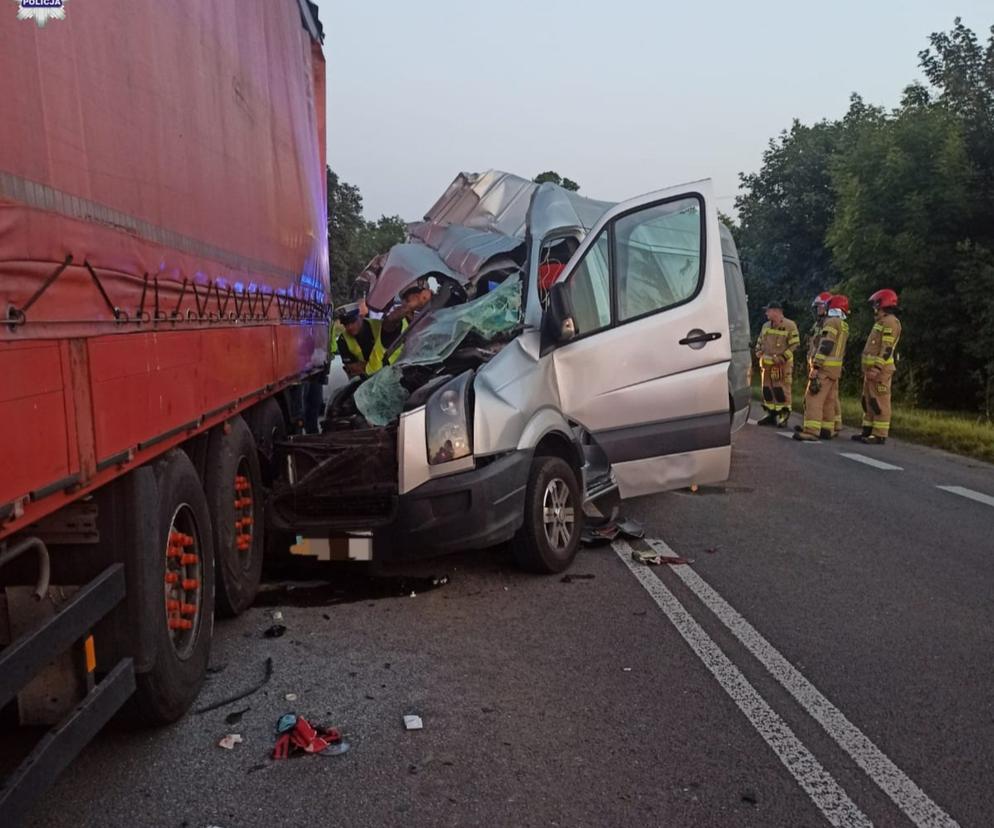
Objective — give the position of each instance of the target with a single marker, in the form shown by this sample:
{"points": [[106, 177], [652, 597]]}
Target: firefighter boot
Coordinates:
{"points": [[769, 419], [783, 418], [867, 431], [827, 434], [804, 437], [872, 440]]}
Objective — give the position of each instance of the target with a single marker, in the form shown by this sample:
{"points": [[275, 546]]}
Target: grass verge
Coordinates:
{"points": [[948, 430]]}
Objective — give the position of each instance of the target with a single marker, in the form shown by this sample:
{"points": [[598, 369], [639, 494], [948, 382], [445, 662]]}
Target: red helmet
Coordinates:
{"points": [[885, 298], [839, 302], [821, 299]]}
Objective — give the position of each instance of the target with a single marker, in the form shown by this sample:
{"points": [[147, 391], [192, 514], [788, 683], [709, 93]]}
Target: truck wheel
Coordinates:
{"points": [[550, 535], [234, 495], [182, 624]]}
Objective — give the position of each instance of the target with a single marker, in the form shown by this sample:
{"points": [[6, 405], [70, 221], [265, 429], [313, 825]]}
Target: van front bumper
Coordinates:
{"points": [[469, 510]]}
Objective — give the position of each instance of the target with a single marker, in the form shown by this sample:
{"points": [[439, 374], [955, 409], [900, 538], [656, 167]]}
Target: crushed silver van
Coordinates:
{"points": [[573, 349]]}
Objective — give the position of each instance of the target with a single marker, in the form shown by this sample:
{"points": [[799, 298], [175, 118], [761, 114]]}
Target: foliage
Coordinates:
{"points": [[352, 240], [551, 176], [901, 199]]}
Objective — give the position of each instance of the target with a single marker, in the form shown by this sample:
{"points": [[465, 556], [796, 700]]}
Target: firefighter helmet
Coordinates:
{"points": [[822, 298], [885, 298], [839, 302]]}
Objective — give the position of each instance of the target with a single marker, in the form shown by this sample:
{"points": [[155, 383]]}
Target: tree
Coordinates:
{"points": [[901, 186], [552, 177], [345, 224], [352, 240], [784, 213]]}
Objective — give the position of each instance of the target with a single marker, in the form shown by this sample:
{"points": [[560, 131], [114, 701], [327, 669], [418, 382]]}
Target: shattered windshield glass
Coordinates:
{"points": [[381, 398]]}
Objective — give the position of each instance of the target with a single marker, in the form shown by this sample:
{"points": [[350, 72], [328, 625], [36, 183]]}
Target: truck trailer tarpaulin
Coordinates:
{"points": [[162, 224]]}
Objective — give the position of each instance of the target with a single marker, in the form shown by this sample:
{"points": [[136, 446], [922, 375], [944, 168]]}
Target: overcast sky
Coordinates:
{"points": [[626, 97]]}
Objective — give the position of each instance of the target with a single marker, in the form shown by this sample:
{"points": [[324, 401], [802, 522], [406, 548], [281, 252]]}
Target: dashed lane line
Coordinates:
{"points": [[870, 461], [901, 789], [972, 495], [827, 795]]}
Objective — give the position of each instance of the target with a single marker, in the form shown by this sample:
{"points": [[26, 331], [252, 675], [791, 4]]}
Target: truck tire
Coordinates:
{"points": [[553, 521], [233, 484], [182, 625]]}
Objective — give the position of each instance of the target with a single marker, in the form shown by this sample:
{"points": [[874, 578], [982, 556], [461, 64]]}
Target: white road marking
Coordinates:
{"points": [[911, 799], [870, 461], [825, 792], [963, 492]]}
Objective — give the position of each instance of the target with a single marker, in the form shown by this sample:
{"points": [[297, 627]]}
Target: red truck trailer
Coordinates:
{"points": [[163, 289]]}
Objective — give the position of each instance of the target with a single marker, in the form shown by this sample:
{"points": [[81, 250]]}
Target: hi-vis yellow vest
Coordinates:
{"points": [[375, 359]]}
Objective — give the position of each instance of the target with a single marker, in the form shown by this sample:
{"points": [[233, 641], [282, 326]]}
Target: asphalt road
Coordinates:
{"points": [[825, 659]]}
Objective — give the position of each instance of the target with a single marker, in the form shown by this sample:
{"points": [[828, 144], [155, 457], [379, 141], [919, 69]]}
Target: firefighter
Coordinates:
{"points": [[878, 368], [824, 374], [819, 307], [775, 350]]}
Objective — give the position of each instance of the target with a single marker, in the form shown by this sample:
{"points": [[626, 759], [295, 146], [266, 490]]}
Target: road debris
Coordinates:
{"points": [[228, 742], [236, 716], [295, 733], [413, 722], [240, 696], [650, 557], [568, 579], [290, 697], [711, 550], [275, 631], [604, 533], [277, 615], [627, 669], [750, 796]]}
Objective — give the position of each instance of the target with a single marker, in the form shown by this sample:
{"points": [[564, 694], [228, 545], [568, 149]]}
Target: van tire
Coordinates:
{"points": [[233, 476], [553, 485], [166, 690]]}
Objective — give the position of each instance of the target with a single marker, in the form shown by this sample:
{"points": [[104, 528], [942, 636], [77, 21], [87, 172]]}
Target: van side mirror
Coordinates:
{"points": [[558, 323]]}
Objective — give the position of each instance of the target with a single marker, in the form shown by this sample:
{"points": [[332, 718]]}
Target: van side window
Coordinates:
{"points": [[658, 261], [590, 289]]}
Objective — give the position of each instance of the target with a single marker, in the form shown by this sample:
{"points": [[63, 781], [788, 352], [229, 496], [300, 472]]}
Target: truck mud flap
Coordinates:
{"points": [[25, 657]]}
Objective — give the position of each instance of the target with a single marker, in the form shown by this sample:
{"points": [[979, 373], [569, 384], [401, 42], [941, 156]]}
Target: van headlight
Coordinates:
{"points": [[447, 428]]}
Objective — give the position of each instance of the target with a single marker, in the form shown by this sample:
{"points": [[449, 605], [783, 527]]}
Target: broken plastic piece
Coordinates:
{"points": [[228, 742], [291, 697], [412, 722], [286, 723], [336, 749], [653, 558]]}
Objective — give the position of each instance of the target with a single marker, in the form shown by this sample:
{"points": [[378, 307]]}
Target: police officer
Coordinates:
{"points": [[878, 368], [824, 374], [778, 340]]}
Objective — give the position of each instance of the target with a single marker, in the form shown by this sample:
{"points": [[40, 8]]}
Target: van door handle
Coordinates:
{"points": [[697, 339]]}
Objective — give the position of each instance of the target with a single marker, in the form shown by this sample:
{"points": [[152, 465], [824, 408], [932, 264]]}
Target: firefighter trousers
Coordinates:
{"points": [[832, 415], [818, 413], [776, 387], [876, 402]]}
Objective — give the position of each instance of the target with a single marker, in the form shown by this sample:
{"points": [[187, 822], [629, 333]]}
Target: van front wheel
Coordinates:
{"points": [[550, 535]]}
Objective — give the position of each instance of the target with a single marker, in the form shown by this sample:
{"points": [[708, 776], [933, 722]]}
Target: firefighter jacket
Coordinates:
{"points": [[881, 344], [777, 341], [831, 347], [814, 339]]}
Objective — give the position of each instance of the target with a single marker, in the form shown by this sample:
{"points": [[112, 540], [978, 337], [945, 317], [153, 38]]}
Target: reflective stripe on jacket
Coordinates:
{"points": [[832, 347], [779, 341], [881, 344]]}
